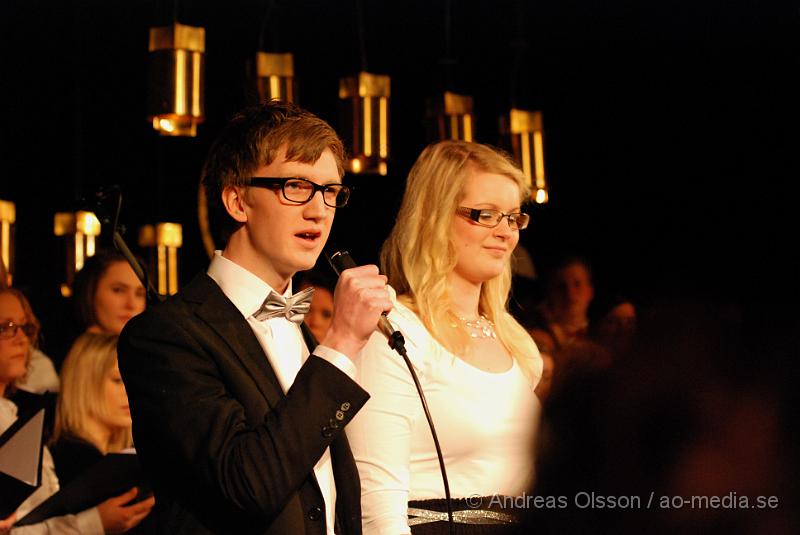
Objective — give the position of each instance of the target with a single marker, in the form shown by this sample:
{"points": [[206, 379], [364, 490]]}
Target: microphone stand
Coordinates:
{"points": [[153, 297]]}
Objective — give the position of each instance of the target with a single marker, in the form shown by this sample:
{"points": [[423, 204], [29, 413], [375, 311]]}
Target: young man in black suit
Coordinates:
{"points": [[238, 426]]}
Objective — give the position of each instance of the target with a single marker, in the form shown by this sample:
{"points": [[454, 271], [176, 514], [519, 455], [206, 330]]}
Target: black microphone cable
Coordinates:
{"points": [[341, 260]]}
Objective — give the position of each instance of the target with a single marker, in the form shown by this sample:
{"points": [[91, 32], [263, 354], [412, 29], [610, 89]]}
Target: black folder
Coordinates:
{"points": [[20, 461], [114, 474]]}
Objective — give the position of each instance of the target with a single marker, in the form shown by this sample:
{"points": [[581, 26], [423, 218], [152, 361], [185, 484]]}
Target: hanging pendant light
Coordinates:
{"points": [[80, 230], [365, 104], [176, 96], [451, 117], [163, 240], [275, 76], [8, 217], [527, 145]]}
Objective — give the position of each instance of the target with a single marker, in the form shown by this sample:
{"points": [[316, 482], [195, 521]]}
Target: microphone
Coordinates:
{"points": [[341, 260]]}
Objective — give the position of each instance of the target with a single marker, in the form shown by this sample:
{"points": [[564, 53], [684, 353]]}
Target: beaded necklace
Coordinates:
{"points": [[482, 327]]}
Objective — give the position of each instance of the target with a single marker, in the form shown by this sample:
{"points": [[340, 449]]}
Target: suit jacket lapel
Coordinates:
{"points": [[225, 319]]}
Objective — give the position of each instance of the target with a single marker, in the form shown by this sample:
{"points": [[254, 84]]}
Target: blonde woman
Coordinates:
{"points": [[92, 415], [93, 419], [448, 258]]}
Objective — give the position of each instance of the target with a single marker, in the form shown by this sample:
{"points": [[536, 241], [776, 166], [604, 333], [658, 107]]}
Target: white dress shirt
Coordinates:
{"points": [[284, 347]]}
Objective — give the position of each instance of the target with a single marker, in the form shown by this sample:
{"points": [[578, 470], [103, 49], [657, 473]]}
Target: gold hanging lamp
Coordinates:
{"points": [[8, 218], [177, 69], [163, 240], [275, 76], [365, 105], [452, 117], [527, 145], [81, 230]]}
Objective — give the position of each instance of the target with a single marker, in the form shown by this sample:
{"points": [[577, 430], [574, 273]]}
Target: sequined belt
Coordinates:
{"points": [[467, 516]]}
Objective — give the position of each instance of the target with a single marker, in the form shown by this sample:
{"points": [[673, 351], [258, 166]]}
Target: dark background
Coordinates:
{"points": [[670, 127]]}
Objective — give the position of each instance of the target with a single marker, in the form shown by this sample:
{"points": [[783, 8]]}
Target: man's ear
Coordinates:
{"points": [[234, 202]]}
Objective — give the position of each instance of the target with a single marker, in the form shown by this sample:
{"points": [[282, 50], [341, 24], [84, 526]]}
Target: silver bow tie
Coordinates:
{"points": [[293, 309]]}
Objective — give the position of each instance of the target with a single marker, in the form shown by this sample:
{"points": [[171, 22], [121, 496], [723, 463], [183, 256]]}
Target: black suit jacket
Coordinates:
{"points": [[227, 450]]}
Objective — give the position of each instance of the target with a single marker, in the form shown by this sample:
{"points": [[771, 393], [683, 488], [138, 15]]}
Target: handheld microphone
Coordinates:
{"points": [[341, 260]]}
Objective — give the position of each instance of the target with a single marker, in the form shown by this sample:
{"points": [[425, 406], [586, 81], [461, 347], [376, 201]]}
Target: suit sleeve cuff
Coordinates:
{"points": [[340, 360]]}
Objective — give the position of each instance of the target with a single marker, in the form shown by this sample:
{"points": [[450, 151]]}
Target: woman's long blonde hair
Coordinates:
{"points": [[82, 395], [420, 253]]}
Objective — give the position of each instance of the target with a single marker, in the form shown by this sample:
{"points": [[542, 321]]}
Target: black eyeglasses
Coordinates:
{"points": [[486, 217], [9, 329], [301, 191]]}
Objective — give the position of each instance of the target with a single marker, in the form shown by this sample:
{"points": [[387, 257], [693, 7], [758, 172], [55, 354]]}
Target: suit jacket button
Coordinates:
{"points": [[326, 432], [333, 424], [345, 406], [339, 415], [315, 513]]}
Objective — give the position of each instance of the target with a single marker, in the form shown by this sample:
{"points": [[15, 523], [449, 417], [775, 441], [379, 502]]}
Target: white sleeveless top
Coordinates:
{"points": [[486, 424]]}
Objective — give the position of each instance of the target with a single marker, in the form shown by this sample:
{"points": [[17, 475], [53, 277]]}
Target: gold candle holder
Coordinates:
{"points": [[365, 105], [8, 218], [275, 76], [527, 145], [177, 69], [81, 230], [164, 240], [451, 117]]}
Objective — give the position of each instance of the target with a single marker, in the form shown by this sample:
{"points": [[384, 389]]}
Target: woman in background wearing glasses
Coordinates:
{"points": [[40, 376], [448, 258], [18, 332]]}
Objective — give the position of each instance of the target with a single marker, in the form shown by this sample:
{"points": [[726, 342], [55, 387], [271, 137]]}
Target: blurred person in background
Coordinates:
{"points": [[569, 291], [562, 325], [107, 293], [92, 415], [613, 322], [700, 407], [41, 375], [38, 371], [320, 315]]}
